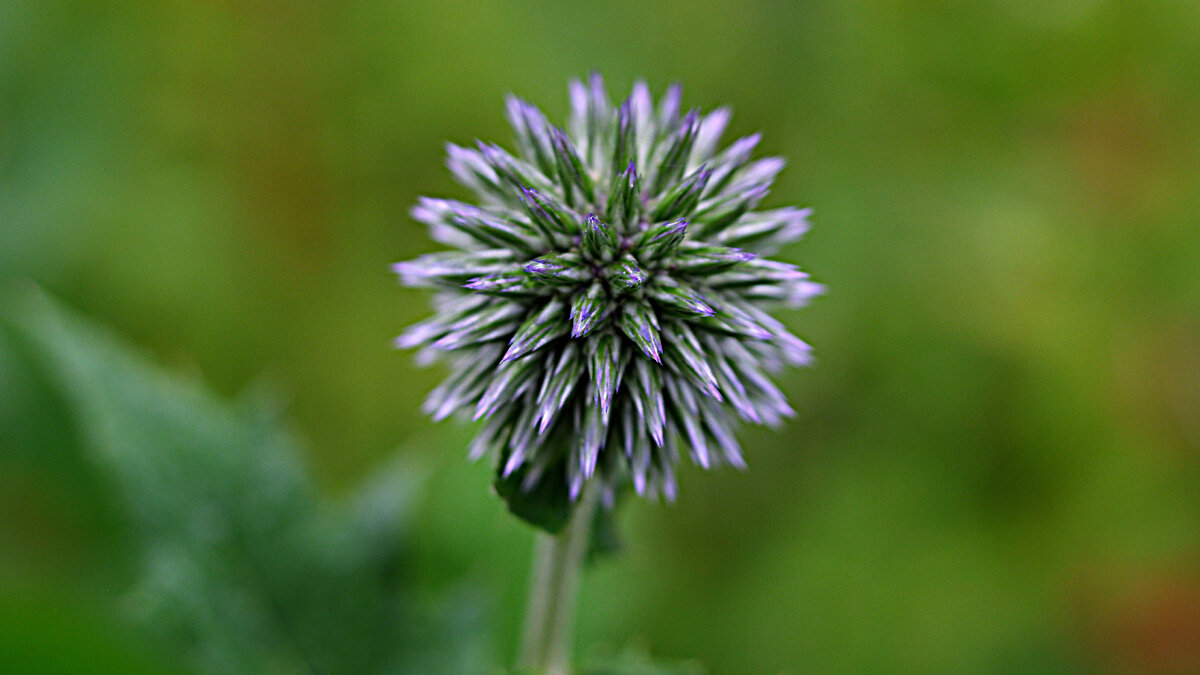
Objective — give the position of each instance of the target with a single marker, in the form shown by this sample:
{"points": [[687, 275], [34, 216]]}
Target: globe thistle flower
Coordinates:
{"points": [[603, 309]]}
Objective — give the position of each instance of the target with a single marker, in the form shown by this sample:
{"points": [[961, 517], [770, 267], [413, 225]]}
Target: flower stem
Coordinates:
{"points": [[550, 615]]}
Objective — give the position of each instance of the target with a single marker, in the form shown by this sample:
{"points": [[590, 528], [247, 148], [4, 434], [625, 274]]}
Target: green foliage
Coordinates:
{"points": [[243, 569], [546, 505], [633, 660], [993, 468]]}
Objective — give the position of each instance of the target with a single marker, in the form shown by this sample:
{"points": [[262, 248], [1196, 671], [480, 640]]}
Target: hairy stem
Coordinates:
{"points": [[550, 615]]}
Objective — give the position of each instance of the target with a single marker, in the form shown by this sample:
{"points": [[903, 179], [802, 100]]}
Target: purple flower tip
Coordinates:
{"points": [[582, 319], [513, 351], [595, 223], [540, 266]]}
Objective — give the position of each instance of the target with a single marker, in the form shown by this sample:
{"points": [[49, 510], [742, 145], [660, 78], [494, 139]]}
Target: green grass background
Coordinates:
{"points": [[995, 466]]}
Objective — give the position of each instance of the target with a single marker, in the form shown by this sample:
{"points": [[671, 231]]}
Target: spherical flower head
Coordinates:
{"points": [[604, 308]]}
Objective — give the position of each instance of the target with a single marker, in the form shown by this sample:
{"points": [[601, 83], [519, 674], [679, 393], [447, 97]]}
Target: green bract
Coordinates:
{"points": [[603, 309]]}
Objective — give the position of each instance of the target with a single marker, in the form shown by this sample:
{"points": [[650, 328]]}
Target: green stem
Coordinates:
{"points": [[550, 615]]}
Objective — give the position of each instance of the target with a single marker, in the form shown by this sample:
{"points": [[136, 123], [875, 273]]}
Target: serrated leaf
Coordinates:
{"points": [[243, 567]]}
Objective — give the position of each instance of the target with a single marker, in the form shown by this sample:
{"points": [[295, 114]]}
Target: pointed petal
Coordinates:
{"points": [[587, 309], [711, 128], [606, 366], [538, 330], [671, 164], [557, 385], [681, 199], [509, 381], [639, 324], [683, 353], [678, 299], [463, 386], [647, 397], [571, 171], [599, 240]]}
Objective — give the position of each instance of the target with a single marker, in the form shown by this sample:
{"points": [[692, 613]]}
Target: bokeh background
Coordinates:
{"points": [[995, 466]]}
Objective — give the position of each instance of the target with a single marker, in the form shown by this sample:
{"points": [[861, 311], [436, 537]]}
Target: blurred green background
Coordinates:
{"points": [[995, 466]]}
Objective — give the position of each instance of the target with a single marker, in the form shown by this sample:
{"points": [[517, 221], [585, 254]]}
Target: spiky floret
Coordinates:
{"points": [[604, 306]]}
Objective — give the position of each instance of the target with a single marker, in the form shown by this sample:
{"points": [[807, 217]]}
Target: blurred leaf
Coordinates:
{"points": [[634, 660], [547, 505], [32, 626], [244, 569], [606, 537]]}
